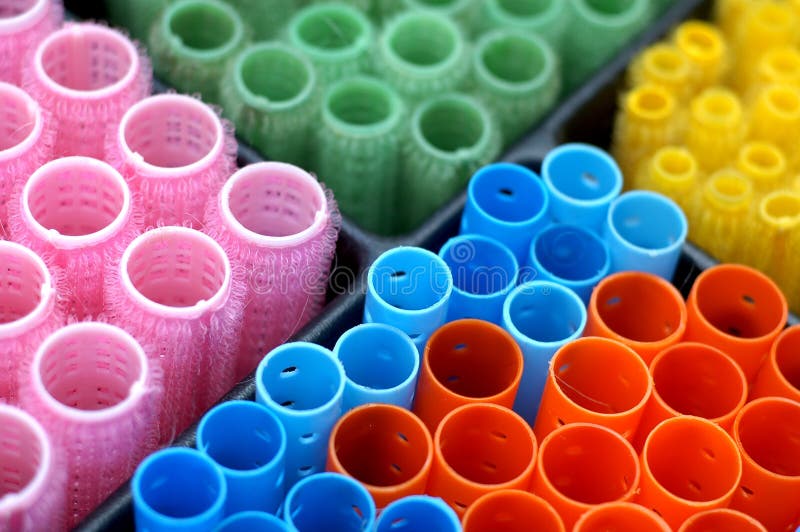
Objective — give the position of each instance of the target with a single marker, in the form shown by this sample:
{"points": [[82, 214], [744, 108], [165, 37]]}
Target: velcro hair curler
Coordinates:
{"points": [[279, 227], [549, 19], [707, 51], [716, 128], [663, 64], [86, 76], [23, 25], [672, 171], [176, 153]]}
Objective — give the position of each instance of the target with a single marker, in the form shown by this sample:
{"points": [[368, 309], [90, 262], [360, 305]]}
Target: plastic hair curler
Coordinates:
{"points": [[484, 273], [775, 118], [582, 181], [189, 57], [136, 17], [548, 19], [467, 362], [381, 365], [693, 379], [279, 227], [765, 165], [594, 380], [780, 373], [767, 434], [418, 513], [689, 464], [265, 19], [26, 140], [721, 520], [541, 317], [248, 443], [253, 522], [329, 501], [707, 51], [386, 448], [410, 289], [582, 465], [28, 312], [777, 66], [274, 112], [570, 256], [178, 489], [173, 291], [664, 65], [23, 25], [176, 153], [716, 128], [672, 171], [512, 511], [507, 202], [93, 389], [32, 481], [479, 448], [77, 212], [638, 309], [621, 517], [738, 310], [302, 384], [464, 12], [86, 76]]}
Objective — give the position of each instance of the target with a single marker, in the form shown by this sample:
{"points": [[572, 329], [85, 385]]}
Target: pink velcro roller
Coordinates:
{"points": [[27, 312], [26, 140], [77, 212], [32, 483], [87, 76], [279, 226], [23, 25], [97, 396], [176, 153], [174, 292]]}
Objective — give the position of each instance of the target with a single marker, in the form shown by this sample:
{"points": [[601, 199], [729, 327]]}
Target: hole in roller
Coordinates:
{"points": [[308, 438], [358, 512], [451, 125], [400, 522], [20, 454], [748, 299], [305, 470], [402, 437], [257, 74], [202, 26], [422, 40], [499, 435], [21, 281], [460, 347], [290, 370], [330, 29], [398, 275], [747, 491], [19, 119], [287, 403]]}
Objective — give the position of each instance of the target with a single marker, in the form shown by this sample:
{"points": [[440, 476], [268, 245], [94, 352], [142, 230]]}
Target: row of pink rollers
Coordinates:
{"points": [[141, 274]]}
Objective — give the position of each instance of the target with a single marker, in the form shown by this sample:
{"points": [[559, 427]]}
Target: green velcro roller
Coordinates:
{"points": [[463, 12], [136, 16], [270, 94], [265, 18], [545, 18], [518, 77], [191, 43], [336, 37], [451, 136], [358, 150], [422, 53]]}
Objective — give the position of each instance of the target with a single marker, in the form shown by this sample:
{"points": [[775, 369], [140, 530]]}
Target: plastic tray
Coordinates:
{"points": [[584, 116]]}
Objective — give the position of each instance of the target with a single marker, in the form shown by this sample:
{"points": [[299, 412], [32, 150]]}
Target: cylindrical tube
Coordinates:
{"points": [[707, 51], [594, 380], [465, 362], [570, 256], [716, 128], [582, 181], [765, 164], [302, 384], [737, 310], [409, 288], [479, 448], [621, 517], [273, 113], [265, 19], [329, 501], [548, 19], [507, 202], [248, 443], [253, 522], [386, 448], [541, 317], [279, 227], [672, 171], [93, 389], [775, 118], [173, 291], [418, 513], [358, 150], [32, 484], [462, 11], [451, 137], [512, 511], [780, 373], [28, 314], [176, 153], [77, 212], [25, 144], [518, 76], [178, 489], [23, 25], [86, 76], [381, 365], [721, 520], [689, 464], [640, 310], [693, 379], [582, 465], [421, 54], [186, 55], [645, 232], [336, 37], [665, 65], [484, 272], [767, 432]]}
